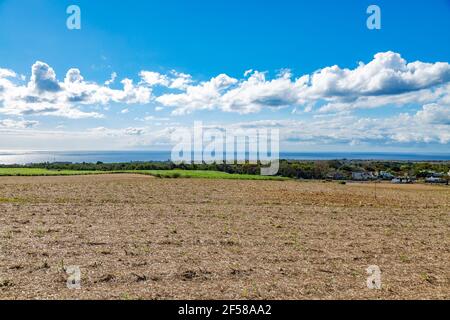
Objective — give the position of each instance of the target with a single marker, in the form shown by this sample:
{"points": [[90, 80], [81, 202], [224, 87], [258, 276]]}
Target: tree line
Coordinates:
{"points": [[321, 169]]}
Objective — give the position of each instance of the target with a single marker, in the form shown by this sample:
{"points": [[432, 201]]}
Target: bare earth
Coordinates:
{"points": [[137, 237]]}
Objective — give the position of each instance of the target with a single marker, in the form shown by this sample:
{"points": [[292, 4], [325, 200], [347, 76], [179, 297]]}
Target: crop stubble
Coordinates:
{"points": [[138, 237]]}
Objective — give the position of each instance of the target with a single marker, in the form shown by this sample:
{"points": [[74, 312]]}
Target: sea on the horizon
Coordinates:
{"points": [[27, 157]]}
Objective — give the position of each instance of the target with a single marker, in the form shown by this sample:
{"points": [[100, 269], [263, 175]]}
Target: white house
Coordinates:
{"points": [[362, 176], [402, 180], [434, 180], [385, 175]]}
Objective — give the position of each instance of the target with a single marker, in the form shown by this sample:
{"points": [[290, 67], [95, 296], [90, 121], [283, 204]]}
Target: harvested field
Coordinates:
{"points": [[139, 237]]}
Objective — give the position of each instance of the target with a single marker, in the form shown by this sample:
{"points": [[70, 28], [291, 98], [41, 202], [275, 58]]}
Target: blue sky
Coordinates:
{"points": [[160, 44]]}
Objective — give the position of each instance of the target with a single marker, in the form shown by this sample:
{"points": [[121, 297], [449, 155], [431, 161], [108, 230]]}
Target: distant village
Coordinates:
{"points": [[427, 176]]}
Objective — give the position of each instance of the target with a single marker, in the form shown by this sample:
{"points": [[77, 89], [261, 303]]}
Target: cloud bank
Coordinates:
{"points": [[387, 79], [327, 100]]}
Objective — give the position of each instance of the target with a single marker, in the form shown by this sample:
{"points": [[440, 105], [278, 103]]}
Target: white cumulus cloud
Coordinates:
{"points": [[45, 95], [17, 124]]}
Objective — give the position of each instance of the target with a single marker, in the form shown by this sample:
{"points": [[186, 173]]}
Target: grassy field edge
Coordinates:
{"points": [[176, 173]]}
